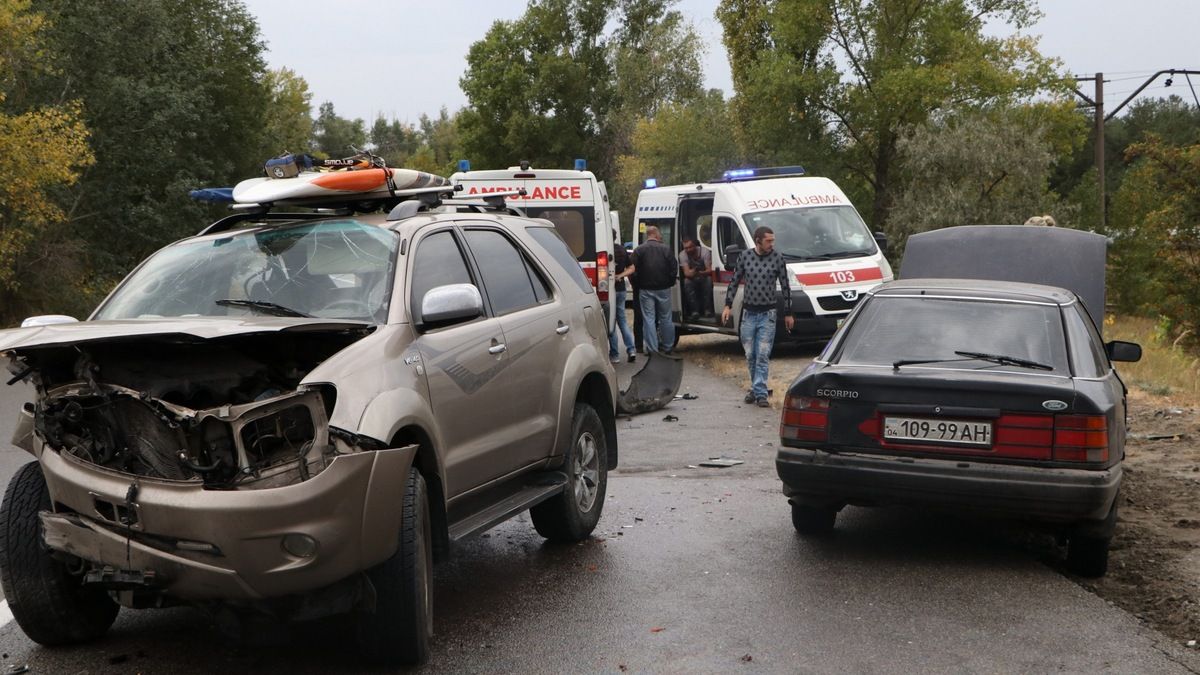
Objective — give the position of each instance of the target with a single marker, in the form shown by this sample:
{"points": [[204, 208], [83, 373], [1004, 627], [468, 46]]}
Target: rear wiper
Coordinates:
{"points": [[977, 356], [1002, 360], [264, 307]]}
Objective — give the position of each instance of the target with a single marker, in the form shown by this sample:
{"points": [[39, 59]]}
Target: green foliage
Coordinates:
{"points": [[981, 167], [870, 70], [684, 142], [288, 126], [1156, 228], [336, 136], [554, 84], [172, 91]]}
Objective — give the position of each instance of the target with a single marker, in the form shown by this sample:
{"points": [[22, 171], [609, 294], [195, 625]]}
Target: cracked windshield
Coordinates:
{"points": [[331, 270]]}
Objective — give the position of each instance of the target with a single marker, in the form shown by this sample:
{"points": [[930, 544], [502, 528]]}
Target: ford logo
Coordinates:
{"points": [[1054, 405]]}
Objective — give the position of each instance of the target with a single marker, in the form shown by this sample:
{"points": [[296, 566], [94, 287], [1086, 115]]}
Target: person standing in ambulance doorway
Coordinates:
{"points": [[657, 269], [621, 325], [761, 268]]}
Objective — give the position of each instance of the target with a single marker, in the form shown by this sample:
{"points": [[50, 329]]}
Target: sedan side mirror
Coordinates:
{"points": [[732, 252], [453, 303], [48, 320], [881, 239], [1123, 351]]}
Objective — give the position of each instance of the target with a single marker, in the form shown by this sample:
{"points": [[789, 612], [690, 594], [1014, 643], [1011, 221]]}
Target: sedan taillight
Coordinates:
{"points": [[805, 419], [1081, 438]]}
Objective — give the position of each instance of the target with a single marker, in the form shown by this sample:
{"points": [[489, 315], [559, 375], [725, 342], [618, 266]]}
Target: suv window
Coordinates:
{"points": [[437, 262], [550, 240], [505, 276]]}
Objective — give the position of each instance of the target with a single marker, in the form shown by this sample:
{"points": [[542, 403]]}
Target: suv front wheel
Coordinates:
{"points": [[572, 515]]}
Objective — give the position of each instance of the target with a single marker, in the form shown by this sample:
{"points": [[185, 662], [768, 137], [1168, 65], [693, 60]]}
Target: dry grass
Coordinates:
{"points": [[1165, 369]]}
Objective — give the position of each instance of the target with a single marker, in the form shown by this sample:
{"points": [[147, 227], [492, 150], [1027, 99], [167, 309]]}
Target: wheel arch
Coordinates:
{"points": [[428, 464], [595, 391]]}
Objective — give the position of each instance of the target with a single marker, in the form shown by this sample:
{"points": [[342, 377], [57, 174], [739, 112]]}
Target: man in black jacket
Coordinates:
{"points": [[657, 269], [761, 268]]}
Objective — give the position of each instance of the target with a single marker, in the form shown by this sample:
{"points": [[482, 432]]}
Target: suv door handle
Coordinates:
{"points": [[497, 349], [562, 328]]}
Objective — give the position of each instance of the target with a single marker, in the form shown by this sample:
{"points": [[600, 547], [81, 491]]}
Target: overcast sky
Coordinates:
{"points": [[401, 58]]}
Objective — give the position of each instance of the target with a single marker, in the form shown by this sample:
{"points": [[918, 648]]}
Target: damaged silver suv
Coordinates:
{"points": [[293, 415]]}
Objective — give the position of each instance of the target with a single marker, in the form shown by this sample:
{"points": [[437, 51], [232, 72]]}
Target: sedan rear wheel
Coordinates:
{"points": [[1088, 556], [808, 519]]}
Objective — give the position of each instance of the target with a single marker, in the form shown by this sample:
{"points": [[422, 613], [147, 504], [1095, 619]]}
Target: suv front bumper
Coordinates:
{"points": [[199, 544], [1059, 496]]}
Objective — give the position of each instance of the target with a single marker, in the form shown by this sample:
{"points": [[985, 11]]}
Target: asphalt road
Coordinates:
{"points": [[692, 570]]}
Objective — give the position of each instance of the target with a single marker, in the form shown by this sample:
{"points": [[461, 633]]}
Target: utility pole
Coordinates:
{"points": [[1098, 105]]}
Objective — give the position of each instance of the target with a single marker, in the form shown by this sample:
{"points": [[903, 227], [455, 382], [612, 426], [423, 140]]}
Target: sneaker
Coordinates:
{"points": [[749, 397], [614, 359], [632, 357], [762, 402]]}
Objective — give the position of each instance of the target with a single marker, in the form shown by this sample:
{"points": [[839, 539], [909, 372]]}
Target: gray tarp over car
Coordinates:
{"points": [[1051, 256]]}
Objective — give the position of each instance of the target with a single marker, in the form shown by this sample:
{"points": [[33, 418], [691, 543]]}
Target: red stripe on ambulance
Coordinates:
{"points": [[832, 277]]}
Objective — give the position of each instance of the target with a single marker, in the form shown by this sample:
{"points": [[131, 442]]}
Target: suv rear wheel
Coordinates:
{"points": [[399, 630], [572, 515], [50, 604]]}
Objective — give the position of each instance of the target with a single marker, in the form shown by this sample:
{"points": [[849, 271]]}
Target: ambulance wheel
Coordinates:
{"points": [[572, 515], [51, 605]]}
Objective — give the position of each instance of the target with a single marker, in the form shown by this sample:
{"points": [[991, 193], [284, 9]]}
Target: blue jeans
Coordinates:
{"points": [[620, 326], [656, 319], [758, 338]]}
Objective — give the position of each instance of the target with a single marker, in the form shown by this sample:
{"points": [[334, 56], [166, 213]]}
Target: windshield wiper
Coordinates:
{"points": [[264, 307], [1002, 360], [998, 359], [826, 256]]}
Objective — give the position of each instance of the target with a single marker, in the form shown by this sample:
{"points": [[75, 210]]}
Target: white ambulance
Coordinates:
{"points": [[833, 258], [573, 200]]}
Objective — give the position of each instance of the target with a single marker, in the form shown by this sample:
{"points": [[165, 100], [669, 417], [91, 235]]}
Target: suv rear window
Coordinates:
{"points": [[550, 240], [576, 226], [891, 328]]}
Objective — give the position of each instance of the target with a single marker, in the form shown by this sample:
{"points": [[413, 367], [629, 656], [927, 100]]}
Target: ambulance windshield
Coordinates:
{"points": [[816, 232]]}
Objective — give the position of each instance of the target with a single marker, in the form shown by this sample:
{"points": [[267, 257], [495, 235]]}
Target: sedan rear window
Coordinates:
{"points": [[889, 329]]}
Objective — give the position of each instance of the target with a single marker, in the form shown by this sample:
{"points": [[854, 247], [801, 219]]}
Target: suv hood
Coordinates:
{"points": [[187, 329]]}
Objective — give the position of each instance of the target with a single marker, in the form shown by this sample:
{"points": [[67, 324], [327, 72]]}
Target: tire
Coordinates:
{"points": [[51, 605], [1088, 556], [815, 520], [399, 631], [572, 515]]}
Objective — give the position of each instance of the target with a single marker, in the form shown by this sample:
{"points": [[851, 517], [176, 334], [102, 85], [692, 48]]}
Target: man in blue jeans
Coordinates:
{"points": [[621, 325], [657, 269], [761, 268]]}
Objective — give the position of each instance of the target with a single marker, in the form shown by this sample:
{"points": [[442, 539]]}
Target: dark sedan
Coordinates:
{"points": [[988, 396]]}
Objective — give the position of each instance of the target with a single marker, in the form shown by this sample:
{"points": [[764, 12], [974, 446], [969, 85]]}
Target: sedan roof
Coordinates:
{"points": [[979, 288]]}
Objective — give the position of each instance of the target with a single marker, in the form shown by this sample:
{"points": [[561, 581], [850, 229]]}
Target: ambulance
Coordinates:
{"points": [[572, 199], [832, 257]]}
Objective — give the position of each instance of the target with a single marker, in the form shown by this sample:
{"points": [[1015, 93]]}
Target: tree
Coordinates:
{"points": [[980, 168], [394, 140], [289, 125], [44, 148], [554, 85], [871, 69], [683, 142], [1156, 224], [334, 136], [180, 106]]}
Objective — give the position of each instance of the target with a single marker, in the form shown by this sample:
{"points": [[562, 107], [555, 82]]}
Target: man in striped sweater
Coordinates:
{"points": [[761, 268]]}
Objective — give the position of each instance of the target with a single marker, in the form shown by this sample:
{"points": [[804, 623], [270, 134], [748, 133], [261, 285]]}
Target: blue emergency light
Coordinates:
{"points": [[770, 171], [651, 183], [464, 165], [581, 165]]}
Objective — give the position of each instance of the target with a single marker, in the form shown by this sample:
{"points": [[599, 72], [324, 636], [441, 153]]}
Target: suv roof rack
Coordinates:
{"points": [[484, 203]]}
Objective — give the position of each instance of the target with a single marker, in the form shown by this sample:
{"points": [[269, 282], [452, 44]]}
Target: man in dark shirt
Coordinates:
{"points": [[657, 268], [761, 268]]}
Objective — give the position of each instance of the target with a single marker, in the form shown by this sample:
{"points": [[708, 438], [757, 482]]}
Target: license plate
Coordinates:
{"points": [[953, 432]]}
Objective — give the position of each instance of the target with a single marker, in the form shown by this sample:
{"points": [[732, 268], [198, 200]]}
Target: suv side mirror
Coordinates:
{"points": [[453, 303], [881, 239], [732, 252], [1123, 351], [47, 320]]}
